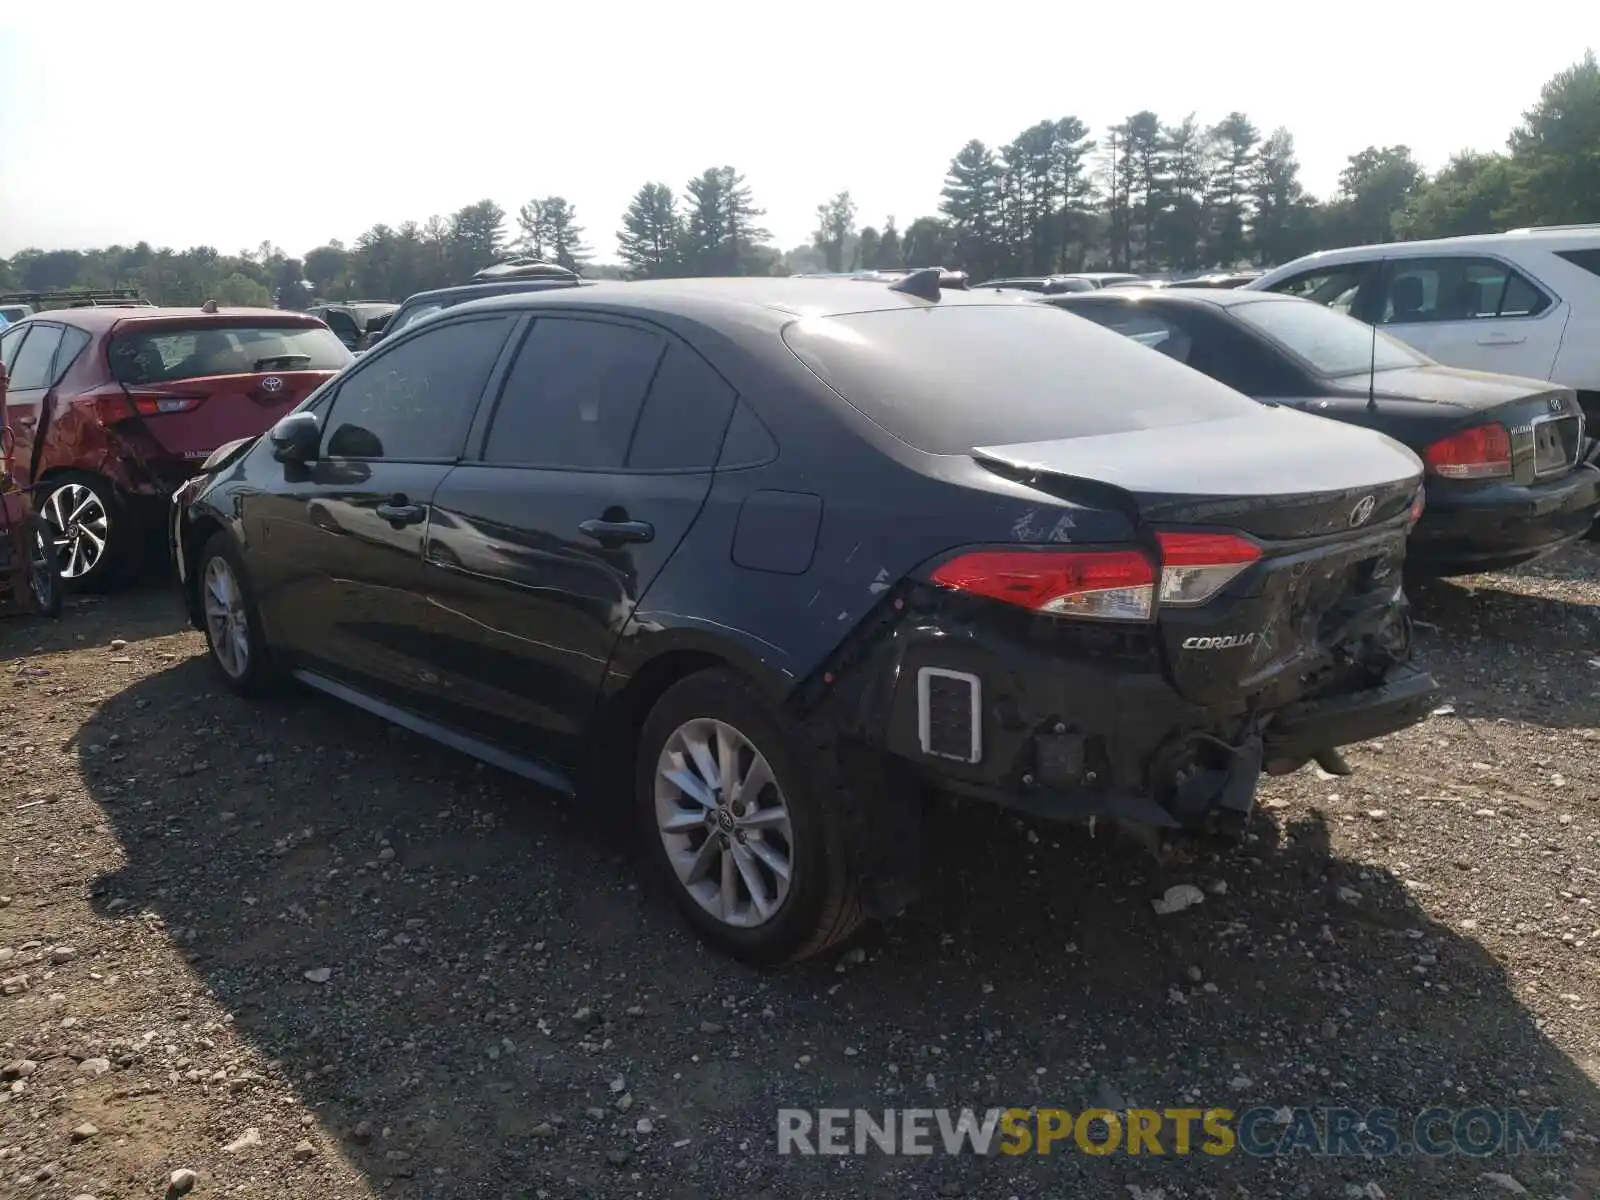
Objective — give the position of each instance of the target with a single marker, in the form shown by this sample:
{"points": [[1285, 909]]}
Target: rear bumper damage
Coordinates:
{"points": [[1072, 723]]}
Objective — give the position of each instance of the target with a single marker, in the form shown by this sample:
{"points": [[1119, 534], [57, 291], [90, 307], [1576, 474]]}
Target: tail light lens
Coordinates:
{"points": [[156, 406], [119, 406], [1196, 566], [1107, 585], [1482, 452]]}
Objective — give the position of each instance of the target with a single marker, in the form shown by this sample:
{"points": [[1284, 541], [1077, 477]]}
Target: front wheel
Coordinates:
{"points": [[44, 571], [736, 827], [233, 630]]}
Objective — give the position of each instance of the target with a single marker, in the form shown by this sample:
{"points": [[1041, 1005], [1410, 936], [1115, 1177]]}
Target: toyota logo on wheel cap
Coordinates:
{"points": [[1362, 511], [272, 384]]}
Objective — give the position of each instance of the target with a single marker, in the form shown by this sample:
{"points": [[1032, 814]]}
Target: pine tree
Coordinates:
{"points": [[651, 238]]}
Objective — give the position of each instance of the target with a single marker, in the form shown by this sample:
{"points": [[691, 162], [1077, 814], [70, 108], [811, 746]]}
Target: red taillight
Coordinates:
{"points": [[1109, 585], [157, 406], [1482, 452], [1196, 566]]}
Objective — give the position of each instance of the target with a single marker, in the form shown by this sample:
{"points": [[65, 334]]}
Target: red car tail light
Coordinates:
{"points": [[1106, 585], [1482, 452], [120, 406], [1196, 566], [156, 406]]}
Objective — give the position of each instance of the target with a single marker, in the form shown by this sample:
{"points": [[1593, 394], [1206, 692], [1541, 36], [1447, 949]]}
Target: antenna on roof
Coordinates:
{"points": [[923, 284], [210, 306]]}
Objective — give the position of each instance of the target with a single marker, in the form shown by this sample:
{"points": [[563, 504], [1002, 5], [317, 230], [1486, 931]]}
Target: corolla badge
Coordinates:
{"points": [[1362, 512], [272, 384]]}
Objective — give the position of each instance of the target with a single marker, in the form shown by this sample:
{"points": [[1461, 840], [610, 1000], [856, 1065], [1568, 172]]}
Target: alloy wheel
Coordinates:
{"points": [[81, 527], [226, 621], [42, 569], [724, 822]]}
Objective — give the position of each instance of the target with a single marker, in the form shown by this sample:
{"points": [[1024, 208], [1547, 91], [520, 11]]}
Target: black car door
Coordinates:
{"points": [[339, 541], [580, 481]]}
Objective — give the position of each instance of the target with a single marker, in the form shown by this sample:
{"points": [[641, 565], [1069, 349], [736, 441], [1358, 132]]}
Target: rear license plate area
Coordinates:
{"points": [[1555, 445]]}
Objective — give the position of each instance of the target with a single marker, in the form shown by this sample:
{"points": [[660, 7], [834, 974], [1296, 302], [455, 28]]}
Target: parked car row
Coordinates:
{"points": [[777, 557]]}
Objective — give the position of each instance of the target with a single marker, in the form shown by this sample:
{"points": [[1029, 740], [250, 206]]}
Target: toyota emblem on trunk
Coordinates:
{"points": [[272, 384], [1363, 510]]}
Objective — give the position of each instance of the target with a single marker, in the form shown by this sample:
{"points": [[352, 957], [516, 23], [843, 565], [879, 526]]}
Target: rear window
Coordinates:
{"points": [[1328, 342], [949, 379], [171, 353]]}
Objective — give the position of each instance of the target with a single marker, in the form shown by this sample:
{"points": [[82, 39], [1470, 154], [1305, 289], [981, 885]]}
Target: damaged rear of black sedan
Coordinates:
{"points": [[837, 545]]}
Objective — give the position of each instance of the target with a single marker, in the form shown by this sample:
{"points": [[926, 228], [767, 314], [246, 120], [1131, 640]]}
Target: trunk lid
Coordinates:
{"points": [[1544, 420], [1327, 505], [190, 418], [196, 380]]}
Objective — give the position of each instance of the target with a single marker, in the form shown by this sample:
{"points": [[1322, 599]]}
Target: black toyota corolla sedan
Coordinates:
{"points": [[782, 555], [1504, 480]]}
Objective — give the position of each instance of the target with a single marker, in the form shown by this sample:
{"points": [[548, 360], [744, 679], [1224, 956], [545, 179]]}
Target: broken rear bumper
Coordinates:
{"points": [[1067, 722], [1405, 697]]}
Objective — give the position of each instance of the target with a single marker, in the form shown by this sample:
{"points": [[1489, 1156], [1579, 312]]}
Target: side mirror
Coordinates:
{"points": [[374, 336], [296, 438]]}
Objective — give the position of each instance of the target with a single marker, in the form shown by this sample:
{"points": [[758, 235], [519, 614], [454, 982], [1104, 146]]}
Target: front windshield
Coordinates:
{"points": [[1330, 343]]}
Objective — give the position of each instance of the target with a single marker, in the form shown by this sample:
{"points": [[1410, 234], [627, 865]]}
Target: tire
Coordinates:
{"points": [[821, 905], [95, 549], [43, 577], [231, 620]]}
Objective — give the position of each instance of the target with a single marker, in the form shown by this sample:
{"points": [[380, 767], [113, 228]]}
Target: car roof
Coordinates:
{"points": [[775, 299], [103, 317], [1194, 297], [1548, 237], [499, 287]]}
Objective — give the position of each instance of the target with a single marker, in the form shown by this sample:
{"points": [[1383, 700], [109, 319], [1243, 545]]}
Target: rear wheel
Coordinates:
{"points": [[233, 631], [737, 830], [91, 528]]}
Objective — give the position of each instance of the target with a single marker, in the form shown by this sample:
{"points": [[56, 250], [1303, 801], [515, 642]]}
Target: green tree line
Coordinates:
{"points": [[1146, 194]]}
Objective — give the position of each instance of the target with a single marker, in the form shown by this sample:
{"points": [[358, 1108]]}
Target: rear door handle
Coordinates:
{"points": [[1501, 339], [402, 514], [618, 531]]}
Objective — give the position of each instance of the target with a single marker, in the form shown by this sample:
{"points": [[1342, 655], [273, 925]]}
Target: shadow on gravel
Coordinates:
{"points": [[149, 609], [506, 1014], [1507, 654]]}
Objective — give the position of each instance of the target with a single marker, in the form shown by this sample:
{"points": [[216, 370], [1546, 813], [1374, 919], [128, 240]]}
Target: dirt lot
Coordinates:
{"points": [[302, 955]]}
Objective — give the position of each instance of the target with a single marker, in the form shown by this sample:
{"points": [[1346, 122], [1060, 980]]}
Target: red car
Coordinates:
{"points": [[113, 407]]}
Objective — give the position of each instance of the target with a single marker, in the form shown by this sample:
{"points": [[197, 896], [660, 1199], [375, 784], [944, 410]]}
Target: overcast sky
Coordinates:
{"points": [[232, 122]]}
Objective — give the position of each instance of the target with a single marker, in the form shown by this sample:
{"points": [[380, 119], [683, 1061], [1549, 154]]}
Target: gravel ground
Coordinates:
{"points": [[299, 953]]}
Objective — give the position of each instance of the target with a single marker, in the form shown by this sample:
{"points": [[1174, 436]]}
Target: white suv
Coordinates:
{"points": [[1520, 303]]}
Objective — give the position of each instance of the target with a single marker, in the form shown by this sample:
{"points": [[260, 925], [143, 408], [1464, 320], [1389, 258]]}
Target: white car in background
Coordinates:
{"points": [[1525, 302]]}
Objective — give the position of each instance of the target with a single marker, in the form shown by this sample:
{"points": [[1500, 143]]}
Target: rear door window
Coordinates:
{"points": [[413, 401], [1427, 290], [685, 416], [573, 396], [72, 343], [1150, 329], [950, 378], [32, 368]]}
